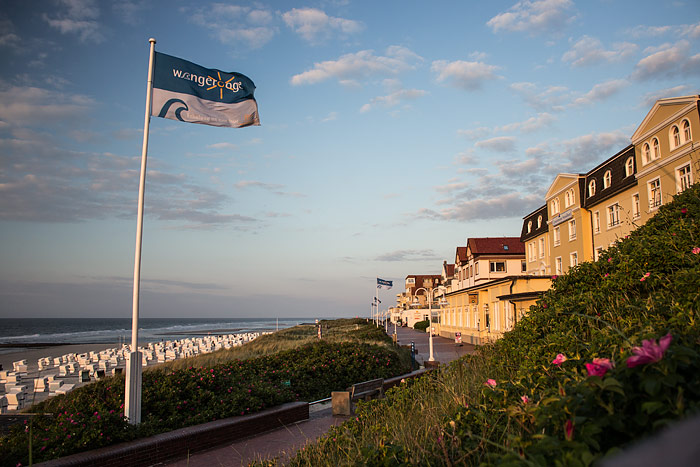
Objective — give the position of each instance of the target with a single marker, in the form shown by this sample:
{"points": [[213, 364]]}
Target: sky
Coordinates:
{"points": [[390, 133]]}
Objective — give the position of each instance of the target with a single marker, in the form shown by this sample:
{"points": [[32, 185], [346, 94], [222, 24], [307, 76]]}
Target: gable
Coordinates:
{"points": [[561, 182], [662, 113]]}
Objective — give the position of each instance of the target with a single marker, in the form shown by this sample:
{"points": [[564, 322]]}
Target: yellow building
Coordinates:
{"points": [[665, 152], [536, 238], [569, 223]]}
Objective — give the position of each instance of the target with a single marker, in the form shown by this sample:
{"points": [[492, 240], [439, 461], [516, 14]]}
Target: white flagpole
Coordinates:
{"points": [[132, 393]]}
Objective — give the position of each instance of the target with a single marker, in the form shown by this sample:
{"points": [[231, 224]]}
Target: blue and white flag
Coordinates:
{"points": [[190, 93], [384, 284]]}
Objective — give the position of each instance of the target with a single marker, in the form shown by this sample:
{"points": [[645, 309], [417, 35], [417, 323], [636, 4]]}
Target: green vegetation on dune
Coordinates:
{"points": [[608, 357], [233, 383]]}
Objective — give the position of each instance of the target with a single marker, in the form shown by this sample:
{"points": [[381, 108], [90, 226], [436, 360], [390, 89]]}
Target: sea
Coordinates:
{"points": [[23, 332]]}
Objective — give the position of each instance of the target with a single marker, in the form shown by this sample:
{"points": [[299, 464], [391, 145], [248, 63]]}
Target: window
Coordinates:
{"points": [[646, 155], [573, 259], [686, 131], [539, 222], [654, 193], [607, 179], [557, 236], [635, 206], [567, 199], [596, 222], [497, 266], [591, 188], [555, 206], [542, 247], [675, 136], [476, 269], [613, 215], [529, 226], [531, 251], [684, 178], [572, 229], [598, 251], [655, 153], [557, 266], [629, 166], [523, 266]]}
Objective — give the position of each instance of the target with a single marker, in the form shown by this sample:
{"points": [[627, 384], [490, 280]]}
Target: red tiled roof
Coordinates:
{"points": [[436, 278], [496, 246], [461, 254], [449, 269]]}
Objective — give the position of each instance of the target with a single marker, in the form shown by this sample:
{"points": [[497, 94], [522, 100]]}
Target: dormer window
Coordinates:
{"points": [[529, 226], [539, 221], [505, 247], [629, 167], [607, 179], [591, 188]]}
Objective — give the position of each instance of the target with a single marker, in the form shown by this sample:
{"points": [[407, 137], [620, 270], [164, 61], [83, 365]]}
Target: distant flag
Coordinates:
{"points": [[190, 93], [384, 284]]}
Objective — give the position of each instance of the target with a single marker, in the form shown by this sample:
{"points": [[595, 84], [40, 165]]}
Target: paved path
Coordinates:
{"points": [[284, 442]]}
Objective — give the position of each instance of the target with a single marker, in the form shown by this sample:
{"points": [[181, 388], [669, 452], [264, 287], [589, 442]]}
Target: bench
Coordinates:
{"points": [[341, 401]]}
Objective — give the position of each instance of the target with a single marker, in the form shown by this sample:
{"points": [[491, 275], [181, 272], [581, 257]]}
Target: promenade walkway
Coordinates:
{"points": [[284, 442]]}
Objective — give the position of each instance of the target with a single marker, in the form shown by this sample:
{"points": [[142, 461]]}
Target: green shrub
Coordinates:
{"points": [[515, 402], [92, 416], [421, 325]]}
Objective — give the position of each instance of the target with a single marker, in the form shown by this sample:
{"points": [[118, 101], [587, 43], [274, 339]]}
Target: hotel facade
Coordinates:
{"points": [[494, 281]]}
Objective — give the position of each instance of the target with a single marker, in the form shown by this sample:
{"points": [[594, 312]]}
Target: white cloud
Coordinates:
{"points": [[589, 51], [552, 98], [231, 24], [408, 255], [362, 64], [313, 24], [602, 91], [535, 17], [497, 144], [541, 120], [466, 75], [649, 99], [21, 105], [394, 99], [223, 145], [511, 204], [667, 61], [80, 19]]}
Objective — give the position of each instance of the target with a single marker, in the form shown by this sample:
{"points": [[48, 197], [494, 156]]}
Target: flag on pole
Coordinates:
{"points": [[384, 284], [190, 93]]}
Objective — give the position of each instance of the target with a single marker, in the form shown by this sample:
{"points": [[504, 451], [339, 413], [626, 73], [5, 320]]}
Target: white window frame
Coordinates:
{"points": [[572, 229], [654, 187], [591, 188], [493, 266], [683, 181], [539, 221], [646, 153], [555, 206], [675, 137], [636, 206], [687, 131], [542, 247], [629, 166], [607, 179], [596, 222], [573, 259], [529, 226], [558, 266], [557, 236], [597, 252], [613, 215], [655, 149]]}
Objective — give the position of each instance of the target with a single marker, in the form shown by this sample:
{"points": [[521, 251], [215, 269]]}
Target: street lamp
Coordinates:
{"points": [[429, 292]]}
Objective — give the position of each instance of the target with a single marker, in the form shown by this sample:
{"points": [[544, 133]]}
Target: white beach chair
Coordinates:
{"points": [[41, 384], [15, 401], [65, 389], [3, 404], [55, 384], [18, 363]]}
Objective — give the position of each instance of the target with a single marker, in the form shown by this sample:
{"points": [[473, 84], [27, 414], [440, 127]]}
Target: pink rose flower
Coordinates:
{"points": [[696, 250], [644, 277], [649, 352], [599, 367], [490, 383], [569, 430], [525, 399], [560, 358]]}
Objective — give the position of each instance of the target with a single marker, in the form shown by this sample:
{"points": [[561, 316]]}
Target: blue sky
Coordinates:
{"points": [[391, 131]]}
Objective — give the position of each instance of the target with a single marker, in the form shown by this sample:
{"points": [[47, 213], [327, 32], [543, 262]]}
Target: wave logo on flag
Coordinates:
{"points": [[384, 284], [190, 93]]}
